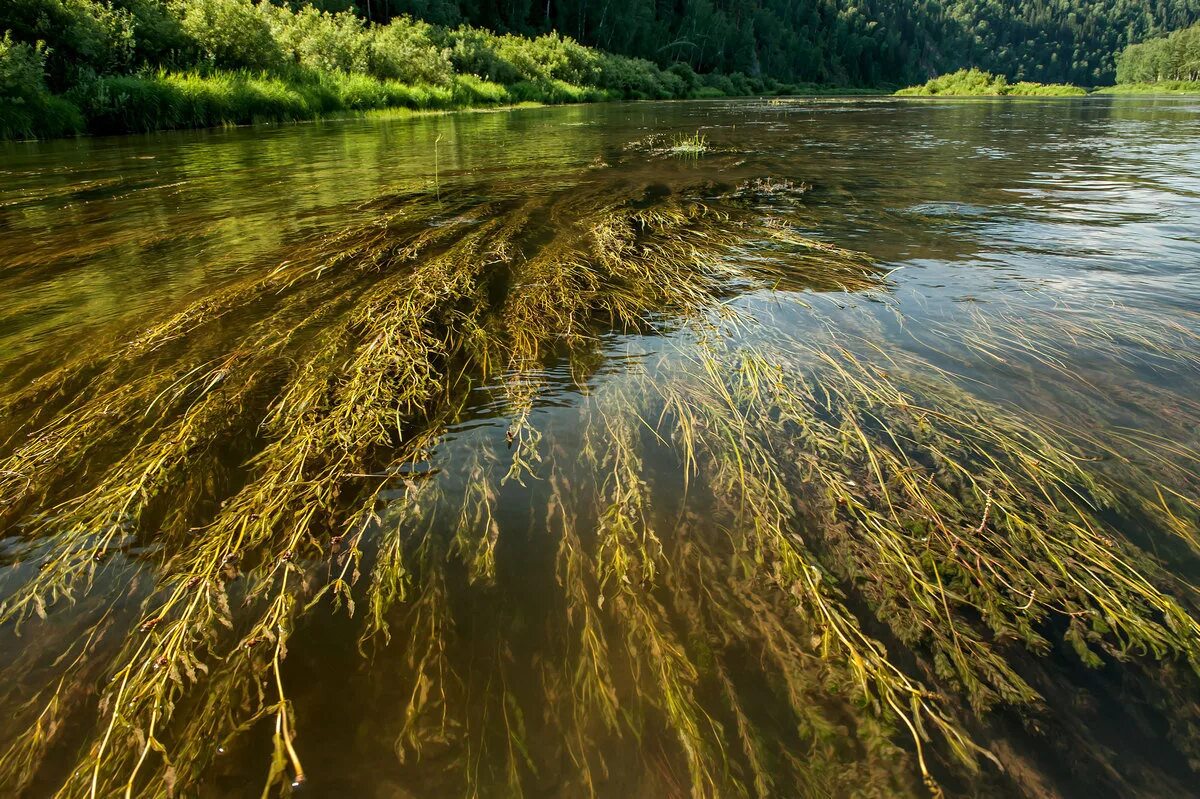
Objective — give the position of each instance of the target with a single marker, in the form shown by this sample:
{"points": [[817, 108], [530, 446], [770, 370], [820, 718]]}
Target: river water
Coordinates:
{"points": [[1030, 265]]}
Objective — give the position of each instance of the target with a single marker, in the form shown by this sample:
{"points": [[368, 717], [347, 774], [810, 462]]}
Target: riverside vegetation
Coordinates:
{"points": [[72, 65], [754, 563], [1161, 65], [1148, 68], [975, 82], [111, 66]]}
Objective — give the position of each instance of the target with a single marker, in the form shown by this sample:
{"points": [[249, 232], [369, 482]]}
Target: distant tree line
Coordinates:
{"points": [[842, 42], [849, 42], [1168, 58]]}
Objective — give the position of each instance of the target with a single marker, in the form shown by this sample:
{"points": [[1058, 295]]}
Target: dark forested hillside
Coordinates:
{"points": [[846, 41]]}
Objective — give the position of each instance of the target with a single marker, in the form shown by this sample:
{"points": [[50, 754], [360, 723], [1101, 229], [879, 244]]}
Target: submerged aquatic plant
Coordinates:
{"points": [[760, 556], [689, 146]]}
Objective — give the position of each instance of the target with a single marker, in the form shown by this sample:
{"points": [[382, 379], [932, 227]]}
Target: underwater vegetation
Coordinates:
{"points": [[558, 466]]}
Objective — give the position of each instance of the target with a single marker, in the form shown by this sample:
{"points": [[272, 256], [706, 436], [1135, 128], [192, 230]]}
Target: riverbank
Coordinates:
{"points": [[208, 63], [1160, 87], [977, 83], [174, 101], [132, 104]]}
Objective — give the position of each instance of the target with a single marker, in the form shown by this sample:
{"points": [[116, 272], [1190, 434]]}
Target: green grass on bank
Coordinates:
{"points": [[1159, 87], [165, 101], [178, 100], [191, 100], [83, 67], [977, 83]]}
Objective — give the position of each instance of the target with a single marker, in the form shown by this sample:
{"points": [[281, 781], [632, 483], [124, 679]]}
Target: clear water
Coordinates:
{"points": [[1075, 221]]}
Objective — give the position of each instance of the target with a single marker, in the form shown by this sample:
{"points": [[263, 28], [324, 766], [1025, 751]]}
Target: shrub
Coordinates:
{"points": [[975, 82], [636, 78], [405, 50], [22, 70], [687, 76], [26, 106], [158, 37], [716, 85], [319, 40], [82, 37], [963, 82], [1026, 88], [550, 57], [230, 34], [472, 52]]}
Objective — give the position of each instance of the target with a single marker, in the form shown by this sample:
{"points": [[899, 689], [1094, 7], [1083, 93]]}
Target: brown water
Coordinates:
{"points": [[1042, 257]]}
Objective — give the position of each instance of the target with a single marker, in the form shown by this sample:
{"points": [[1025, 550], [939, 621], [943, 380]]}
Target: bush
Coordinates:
{"points": [[550, 57], [717, 86], [22, 70], [319, 40], [636, 78], [158, 37], [82, 37], [963, 82], [1025, 88], [27, 109], [472, 52], [405, 50], [975, 82], [687, 77], [230, 34]]}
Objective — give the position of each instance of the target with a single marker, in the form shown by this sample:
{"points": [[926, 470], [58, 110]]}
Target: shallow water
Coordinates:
{"points": [[1042, 256]]}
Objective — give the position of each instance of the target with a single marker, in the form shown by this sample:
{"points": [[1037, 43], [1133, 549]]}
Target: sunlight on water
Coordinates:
{"points": [[499, 454]]}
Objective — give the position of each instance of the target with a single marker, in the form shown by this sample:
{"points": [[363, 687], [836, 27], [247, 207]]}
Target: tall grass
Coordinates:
{"points": [[1158, 87], [48, 117], [174, 100]]}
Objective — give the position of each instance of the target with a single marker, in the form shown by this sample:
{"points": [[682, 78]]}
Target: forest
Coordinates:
{"points": [[849, 42], [1167, 58]]}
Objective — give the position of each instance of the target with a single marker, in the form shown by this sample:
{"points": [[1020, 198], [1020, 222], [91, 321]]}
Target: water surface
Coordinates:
{"points": [[1040, 256]]}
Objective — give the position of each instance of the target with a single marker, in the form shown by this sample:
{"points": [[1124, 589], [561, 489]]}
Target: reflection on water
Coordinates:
{"points": [[636, 476]]}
